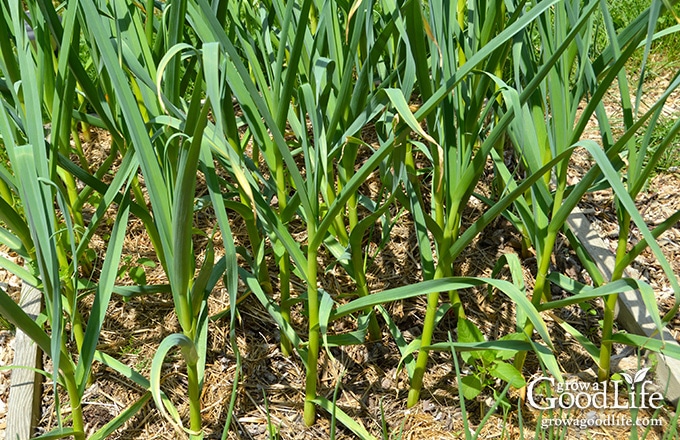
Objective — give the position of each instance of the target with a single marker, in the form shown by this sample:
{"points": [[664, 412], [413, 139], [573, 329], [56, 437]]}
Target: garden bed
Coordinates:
{"points": [[372, 389], [347, 166]]}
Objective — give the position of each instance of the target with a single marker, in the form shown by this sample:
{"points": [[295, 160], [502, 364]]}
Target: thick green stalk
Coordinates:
{"points": [[444, 269], [71, 297], [6, 195], [450, 229], [338, 222], [426, 339], [447, 264], [284, 280], [78, 332], [76, 405], [313, 309], [352, 212], [358, 262], [148, 24], [410, 165], [454, 296], [283, 260], [280, 177], [607, 331], [374, 332], [194, 401], [540, 287], [72, 193], [610, 301]]}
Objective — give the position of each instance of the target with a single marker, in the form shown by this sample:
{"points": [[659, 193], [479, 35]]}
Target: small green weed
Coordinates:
{"points": [[487, 365], [135, 270]]}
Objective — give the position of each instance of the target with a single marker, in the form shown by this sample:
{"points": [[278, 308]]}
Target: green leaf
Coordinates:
{"points": [[198, 290], [25, 275], [123, 370], [325, 308], [166, 408], [137, 275], [121, 418], [343, 418], [104, 290], [515, 267], [182, 265], [147, 262], [581, 292], [590, 348], [57, 433], [508, 373], [35, 370], [445, 285], [668, 348], [468, 332], [471, 386], [501, 345], [507, 354], [396, 97]]}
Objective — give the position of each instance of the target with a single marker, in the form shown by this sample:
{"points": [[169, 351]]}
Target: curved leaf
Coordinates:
{"points": [[166, 408]]}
